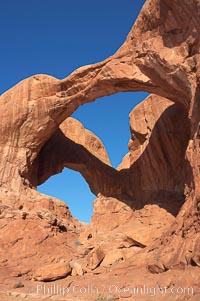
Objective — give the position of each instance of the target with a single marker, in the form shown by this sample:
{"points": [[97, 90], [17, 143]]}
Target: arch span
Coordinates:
{"points": [[33, 110], [160, 56]]}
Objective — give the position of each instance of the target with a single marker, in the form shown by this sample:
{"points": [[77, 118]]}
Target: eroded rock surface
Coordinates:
{"points": [[158, 180], [36, 231], [157, 166]]}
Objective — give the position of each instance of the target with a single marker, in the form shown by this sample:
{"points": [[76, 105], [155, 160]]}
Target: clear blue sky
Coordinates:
{"points": [[56, 37]]}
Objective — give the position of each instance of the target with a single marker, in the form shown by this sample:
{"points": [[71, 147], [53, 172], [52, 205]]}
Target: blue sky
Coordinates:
{"points": [[55, 38]]}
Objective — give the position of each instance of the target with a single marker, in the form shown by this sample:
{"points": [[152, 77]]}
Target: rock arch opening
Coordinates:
{"points": [[160, 56], [154, 171], [109, 119], [72, 188]]}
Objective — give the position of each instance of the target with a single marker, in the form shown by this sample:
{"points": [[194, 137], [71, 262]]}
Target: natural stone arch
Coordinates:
{"points": [[33, 109], [160, 55], [155, 169]]}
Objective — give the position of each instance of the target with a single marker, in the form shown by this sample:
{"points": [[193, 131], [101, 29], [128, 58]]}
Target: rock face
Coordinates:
{"points": [[34, 232], [159, 177], [157, 168], [120, 232]]}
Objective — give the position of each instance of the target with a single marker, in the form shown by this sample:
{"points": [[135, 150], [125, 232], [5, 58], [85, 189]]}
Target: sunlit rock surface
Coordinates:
{"points": [[156, 187]]}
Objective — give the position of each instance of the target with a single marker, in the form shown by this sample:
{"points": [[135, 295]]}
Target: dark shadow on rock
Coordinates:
{"points": [[60, 152], [162, 172]]}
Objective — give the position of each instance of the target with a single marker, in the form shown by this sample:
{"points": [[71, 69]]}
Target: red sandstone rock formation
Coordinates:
{"points": [[36, 231], [161, 56], [157, 167], [157, 151]]}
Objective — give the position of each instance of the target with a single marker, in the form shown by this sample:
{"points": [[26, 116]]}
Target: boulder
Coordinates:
{"points": [[95, 257], [115, 256], [77, 269], [52, 272]]}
